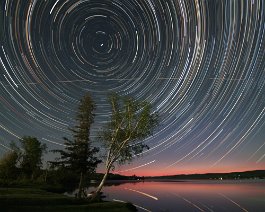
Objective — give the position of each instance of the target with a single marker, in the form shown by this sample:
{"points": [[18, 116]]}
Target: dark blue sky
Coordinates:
{"points": [[200, 63]]}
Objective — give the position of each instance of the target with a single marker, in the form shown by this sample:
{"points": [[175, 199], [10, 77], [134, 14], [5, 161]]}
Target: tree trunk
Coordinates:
{"points": [[45, 176], [32, 176], [99, 188], [80, 186]]}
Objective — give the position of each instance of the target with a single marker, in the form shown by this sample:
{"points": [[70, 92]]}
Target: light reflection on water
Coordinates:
{"points": [[191, 195]]}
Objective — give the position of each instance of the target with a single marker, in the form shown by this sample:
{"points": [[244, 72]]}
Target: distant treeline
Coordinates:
{"points": [[260, 174], [98, 176], [257, 174]]}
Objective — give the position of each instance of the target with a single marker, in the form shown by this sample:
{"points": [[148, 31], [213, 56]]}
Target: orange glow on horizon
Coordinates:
{"points": [[160, 171]]}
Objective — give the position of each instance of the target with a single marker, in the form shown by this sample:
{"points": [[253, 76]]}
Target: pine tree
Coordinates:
{"points": [[79, 155]]}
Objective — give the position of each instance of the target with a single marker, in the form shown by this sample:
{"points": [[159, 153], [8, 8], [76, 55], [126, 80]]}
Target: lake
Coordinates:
{"points": [[204, 195]]}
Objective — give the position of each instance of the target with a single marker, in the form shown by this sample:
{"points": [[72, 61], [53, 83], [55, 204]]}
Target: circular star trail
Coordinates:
{"points": [[200, 63]]}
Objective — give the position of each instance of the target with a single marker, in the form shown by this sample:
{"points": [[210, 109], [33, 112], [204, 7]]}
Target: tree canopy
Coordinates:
{"points": [[32, 151], [8, 169]]}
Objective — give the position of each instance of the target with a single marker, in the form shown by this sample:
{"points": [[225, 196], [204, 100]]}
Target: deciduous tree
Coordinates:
{"points": [[8, 162], [130, 123], [31, 155]]}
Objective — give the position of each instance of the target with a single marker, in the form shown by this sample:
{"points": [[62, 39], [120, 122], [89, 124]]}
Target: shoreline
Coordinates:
{"points": [[215, 181]]}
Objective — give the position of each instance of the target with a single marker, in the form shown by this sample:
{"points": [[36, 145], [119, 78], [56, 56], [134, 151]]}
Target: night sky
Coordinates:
{"points": [[200, 63]]}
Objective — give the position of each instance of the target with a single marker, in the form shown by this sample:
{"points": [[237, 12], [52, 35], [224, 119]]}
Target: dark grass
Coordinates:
{"points": [[93, 207], [26, 199]]}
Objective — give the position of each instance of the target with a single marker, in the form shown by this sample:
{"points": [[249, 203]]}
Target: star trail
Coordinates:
{"points": [[200, 63]]}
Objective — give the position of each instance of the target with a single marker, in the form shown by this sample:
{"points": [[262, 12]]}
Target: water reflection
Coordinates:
{"points": [[191, 195]]}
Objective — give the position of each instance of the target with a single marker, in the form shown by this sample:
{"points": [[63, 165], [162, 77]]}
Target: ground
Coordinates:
{"points": [[27, 199]]}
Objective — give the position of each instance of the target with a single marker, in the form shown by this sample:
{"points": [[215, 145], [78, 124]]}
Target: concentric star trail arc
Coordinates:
{"points": [[200, 63]]}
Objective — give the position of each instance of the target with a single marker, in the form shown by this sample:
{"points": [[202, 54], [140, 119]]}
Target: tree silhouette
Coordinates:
{"points": [[78, 154], [31, 155]]}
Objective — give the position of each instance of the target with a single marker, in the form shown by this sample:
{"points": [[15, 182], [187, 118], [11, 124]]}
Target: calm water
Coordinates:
{"points": [[191, 195]]}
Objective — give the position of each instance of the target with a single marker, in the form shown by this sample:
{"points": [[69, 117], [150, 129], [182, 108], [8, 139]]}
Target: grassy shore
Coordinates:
{"points": [[27, 199]]}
